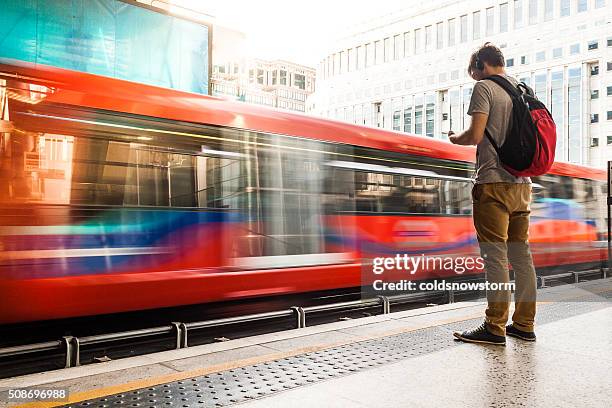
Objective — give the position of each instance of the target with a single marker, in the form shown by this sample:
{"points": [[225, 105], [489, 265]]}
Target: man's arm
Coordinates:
{"points": [[474, 134]]}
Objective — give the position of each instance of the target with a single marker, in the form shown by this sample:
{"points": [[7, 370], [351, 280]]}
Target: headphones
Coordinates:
{"points": [[479, 63]]}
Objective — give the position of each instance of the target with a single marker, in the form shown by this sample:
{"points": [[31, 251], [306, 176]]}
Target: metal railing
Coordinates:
{"points": [[71, 345]]}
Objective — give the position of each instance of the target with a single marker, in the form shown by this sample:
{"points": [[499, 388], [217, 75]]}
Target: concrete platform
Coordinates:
{"points": [[404, 359]]}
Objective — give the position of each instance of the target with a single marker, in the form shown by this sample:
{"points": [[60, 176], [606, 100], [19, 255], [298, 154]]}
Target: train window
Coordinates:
{"points": [[61, 169], [288, 192], [416, 195], [35, 167]]}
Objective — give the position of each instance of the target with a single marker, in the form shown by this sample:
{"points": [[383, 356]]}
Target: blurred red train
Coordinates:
{"points": [[117, 196]]}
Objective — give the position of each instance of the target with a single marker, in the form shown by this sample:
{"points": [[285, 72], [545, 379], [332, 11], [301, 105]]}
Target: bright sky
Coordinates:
{"points": [[297, 30]]}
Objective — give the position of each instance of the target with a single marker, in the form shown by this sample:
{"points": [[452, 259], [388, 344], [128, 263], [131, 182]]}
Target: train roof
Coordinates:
{"points": [[99, 92]]}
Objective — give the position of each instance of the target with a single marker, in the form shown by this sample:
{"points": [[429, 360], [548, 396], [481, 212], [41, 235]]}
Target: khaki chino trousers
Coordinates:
{"points": [[501, 218]]}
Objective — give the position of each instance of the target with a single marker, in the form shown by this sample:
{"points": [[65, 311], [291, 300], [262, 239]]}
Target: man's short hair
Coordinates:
{"points": [[488, 53]]}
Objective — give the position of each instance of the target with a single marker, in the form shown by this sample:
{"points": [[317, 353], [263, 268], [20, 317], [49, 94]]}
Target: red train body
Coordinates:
{"points": [[117, 196]]}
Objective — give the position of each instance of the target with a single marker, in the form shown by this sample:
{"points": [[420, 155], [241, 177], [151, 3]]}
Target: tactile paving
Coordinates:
{"points": [[263, 379]]}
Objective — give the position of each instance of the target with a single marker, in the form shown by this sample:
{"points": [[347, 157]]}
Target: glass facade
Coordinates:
{"points": [[540, 88], [556, 108], [518, 13], [451, 32], [110, 38], [463, 22], [574, 133], [429, 115], [418, 115], [454, 111], [548, 9], [490, 20], [467, 94], [503, 17], [476, 25]]}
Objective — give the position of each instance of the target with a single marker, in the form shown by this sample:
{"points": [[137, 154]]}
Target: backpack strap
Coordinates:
{"points": [[505, 84], [493, 142], [511, 90]]}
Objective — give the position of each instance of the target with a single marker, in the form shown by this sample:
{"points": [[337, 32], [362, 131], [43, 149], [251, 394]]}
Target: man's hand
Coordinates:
{"points": [[474, 134]]}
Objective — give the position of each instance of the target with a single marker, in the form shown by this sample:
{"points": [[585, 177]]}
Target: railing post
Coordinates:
{"points": [[181, 336], [386, 305], [300, 317], [76, 352], [183, 328], [67, 343]]}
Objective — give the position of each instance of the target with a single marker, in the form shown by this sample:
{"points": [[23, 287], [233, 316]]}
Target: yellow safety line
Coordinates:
{"points": [[149, 382]]}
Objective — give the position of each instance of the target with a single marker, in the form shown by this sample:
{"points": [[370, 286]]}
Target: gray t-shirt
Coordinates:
{"points": [[490, 98]]}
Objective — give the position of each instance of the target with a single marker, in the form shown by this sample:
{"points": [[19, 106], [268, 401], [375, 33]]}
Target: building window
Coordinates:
{"points": [[533, 11], [593, 45], [336, 63], [283, 77], [503, 17], [594, 142], [429, 116], [610, 42], [540, 56], [540, 88], [260, 76], [428, 38], [490, 15], [582, 5], [574, 49], [397, 47], [369, 54], [396, 120], [408, 120], [524, 60], [600, 3], [594, 70], [518, 13], [594, 117], [463, 29], [274, 77], [379, 52], [388, 50], [556, 109], [564, 8], [406, 44], [609, 141], [451, 32], [418, 116], [360, 58], [609, 91], [548, 9], [300, 81], [510, 62], [609, 115], [557, 52], [595, 94], [609, 66], [417, 41], [440, 35], [476, 25]]}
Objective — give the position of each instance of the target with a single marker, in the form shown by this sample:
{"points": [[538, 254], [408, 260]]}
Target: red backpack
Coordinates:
{"points": [[529, 148]]}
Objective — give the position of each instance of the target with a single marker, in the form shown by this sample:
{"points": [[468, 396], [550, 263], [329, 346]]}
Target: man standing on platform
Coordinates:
{"points": [[500, 206]]}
